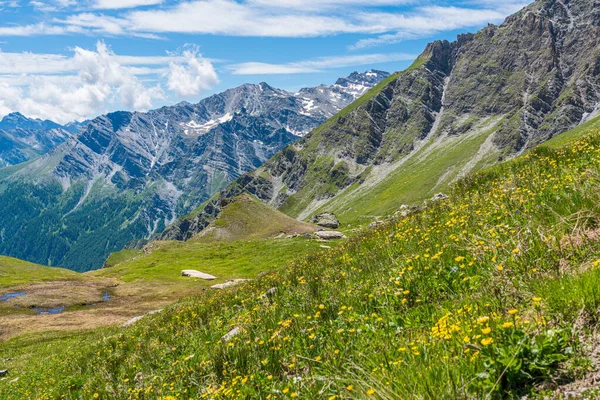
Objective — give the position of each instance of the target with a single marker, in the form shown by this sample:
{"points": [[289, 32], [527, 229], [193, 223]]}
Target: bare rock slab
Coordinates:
{"points": [[330, 235], [192, 273], [229, 284]]}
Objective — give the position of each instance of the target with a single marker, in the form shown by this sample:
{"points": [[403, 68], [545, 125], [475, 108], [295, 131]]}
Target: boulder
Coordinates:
{"points": [[329, 235], [192, 273], [439, 196], [3, 372], [326, 220], [376, 224], [229, 284]]}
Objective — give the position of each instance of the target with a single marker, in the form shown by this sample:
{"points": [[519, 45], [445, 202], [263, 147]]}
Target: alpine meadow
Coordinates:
{"points": [[174, 227]]}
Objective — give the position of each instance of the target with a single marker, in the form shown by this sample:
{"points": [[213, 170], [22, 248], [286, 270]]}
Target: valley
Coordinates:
{"points": [[433, 233]]}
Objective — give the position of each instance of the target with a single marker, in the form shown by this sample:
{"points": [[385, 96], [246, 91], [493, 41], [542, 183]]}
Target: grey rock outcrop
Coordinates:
{"points": [[326, 220]]}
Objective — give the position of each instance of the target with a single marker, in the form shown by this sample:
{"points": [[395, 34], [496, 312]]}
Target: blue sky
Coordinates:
{"points": [[68, 60]]}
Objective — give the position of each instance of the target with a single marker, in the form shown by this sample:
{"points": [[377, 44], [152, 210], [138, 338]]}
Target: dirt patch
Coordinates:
{"points": [[588, 387], [63, 294], [85, 305], [579, 238]]}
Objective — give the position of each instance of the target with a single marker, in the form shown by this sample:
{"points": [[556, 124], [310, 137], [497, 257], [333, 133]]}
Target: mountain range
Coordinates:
{"points": [[22, 138], [127, 175], [461, 106]]}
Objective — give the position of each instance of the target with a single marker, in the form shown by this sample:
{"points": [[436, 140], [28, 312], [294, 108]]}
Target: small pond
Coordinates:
{"points": [[8, 296]]}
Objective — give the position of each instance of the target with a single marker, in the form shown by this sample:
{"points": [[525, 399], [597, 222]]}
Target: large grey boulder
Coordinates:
{"points": [[326, 220]]}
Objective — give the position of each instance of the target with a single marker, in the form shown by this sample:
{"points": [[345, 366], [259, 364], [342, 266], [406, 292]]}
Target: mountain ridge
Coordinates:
{"points": [[23, 139], [463, 105]]}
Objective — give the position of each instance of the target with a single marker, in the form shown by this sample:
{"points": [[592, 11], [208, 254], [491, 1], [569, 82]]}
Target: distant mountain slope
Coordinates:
{"points": [[22, 138], [127, 175], [461, 106]]}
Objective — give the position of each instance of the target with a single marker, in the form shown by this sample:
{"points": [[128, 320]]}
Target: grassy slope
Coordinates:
{"points": [[14, 272], [226, 260], [247, 218], [425, 172], [462, 299], [422, 175]]}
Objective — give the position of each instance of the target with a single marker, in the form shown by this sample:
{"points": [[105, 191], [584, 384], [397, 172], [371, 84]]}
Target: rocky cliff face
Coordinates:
{"points": [[127, 175], [22, 138], [461, 106]]}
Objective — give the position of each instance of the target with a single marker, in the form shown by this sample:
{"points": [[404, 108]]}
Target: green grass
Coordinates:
{"points": [[14, 272], [479, 296], [226, 260]]}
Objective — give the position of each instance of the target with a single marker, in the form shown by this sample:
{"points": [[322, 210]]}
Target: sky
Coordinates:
{"points": [[68, 60]]}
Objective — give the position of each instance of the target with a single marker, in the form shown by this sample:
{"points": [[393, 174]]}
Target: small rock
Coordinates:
{"points": [[330, 235], [231, 334], [326, 220], [229, 284], [136, 319], [192, 273], [376, 224], [271, 292], [3, 372], [280, 236], [439, 196], [325, 247]]}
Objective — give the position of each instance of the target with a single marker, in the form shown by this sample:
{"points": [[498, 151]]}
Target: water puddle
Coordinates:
{"points": [[8, 296], [49, 311], [106, 297]]}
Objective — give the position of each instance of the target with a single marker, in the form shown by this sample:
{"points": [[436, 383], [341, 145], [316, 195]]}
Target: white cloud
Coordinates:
{"points": [[259, 68], [117, 4], [38, 29], [424, 21], [316, 65], [192, 77], [283, 18], [228, 17], [327, 4], [34, 63], [91, 82]]}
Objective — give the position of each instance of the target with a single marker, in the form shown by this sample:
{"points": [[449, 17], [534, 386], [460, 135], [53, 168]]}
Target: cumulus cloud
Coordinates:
{"points": [[193, 76], [91, 82]]}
